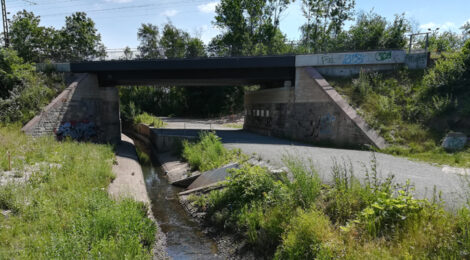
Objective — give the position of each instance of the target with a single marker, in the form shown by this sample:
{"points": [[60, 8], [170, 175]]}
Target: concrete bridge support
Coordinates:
{"points": [[312, 112], [83, 108]]}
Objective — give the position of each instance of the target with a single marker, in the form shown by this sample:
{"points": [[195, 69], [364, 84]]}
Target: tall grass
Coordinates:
{"points": [[296, 217], [150, 120], [209, 153], [64, 212]]}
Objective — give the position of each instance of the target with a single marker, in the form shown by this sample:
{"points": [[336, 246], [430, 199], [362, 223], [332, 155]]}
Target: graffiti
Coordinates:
{"points": [[355, 58], [383, 55], [80, 131], [327, 59], [326, 124]]}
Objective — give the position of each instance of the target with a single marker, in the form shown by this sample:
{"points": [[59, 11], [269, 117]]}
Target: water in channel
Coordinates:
{"points": [[183, 235]]}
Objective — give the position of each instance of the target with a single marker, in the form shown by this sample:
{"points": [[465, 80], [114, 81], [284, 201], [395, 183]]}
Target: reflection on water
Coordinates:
{"points": [[184, 237]]}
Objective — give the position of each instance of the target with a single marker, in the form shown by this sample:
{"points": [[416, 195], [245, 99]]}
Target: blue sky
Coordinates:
{"points": [[118, 20]]}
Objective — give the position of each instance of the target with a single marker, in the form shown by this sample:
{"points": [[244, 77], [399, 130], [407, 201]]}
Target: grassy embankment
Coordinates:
{"points": [[304, 218], [63, 210], [413, 111]]}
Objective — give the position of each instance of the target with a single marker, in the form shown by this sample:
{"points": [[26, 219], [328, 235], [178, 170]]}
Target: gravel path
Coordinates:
{"points": [[424, 176]]}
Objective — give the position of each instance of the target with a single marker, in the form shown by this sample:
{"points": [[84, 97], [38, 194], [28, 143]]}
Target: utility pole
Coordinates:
{"points": [[6, 38]]}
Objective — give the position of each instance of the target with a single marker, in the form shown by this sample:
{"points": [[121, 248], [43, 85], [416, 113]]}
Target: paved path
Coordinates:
{"points": [[423, 175]]}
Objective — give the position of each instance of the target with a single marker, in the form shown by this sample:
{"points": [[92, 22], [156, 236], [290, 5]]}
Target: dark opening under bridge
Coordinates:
{"points": [[294, 101]]}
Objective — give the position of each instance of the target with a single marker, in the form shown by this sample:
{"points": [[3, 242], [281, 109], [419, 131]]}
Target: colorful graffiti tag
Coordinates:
{"points": [[79, 131], [355, 58]]}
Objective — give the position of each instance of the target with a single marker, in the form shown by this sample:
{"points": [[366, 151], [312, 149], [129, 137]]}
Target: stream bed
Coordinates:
{"points": [[184, 237]]}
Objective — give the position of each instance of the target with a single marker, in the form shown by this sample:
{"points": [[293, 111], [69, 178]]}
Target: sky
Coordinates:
{"points": [[118, 20]]}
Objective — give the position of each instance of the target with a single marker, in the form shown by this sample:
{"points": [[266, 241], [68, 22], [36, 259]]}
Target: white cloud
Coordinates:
{"points": [[119, 1], [208, 8], [206, 33], [442, 27], [170, 13]]}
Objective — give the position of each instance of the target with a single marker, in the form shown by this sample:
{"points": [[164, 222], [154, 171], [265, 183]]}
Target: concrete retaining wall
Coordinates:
{"points": [[82, 101], [312, 111]]}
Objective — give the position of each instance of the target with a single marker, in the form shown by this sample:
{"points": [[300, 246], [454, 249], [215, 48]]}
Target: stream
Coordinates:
{"points": [[184, 238]]}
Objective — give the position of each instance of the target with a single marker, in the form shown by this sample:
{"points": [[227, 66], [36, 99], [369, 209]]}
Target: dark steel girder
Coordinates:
{"points": [[192, 72]]}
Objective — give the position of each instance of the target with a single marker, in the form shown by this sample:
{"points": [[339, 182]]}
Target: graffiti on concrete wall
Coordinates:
{"points": [[327, 59], [355, 58], [324, 126], [80, 131], [383, 55]]}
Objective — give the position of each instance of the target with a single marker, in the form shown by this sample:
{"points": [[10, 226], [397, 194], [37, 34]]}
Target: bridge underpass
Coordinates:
{"points": [[294, 101]]}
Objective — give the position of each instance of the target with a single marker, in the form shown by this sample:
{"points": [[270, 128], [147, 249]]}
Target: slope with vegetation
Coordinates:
{"points": [[414, 110], [296, 216]]}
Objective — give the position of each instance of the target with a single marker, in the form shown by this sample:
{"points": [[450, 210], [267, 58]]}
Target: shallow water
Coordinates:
{"points": [[183, 235]]}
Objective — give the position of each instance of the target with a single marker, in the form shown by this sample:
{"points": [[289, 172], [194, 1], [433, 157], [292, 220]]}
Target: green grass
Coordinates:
{"points": [[234, 125], [150, 120], [65, 212], [301, 218], [209, 153]]}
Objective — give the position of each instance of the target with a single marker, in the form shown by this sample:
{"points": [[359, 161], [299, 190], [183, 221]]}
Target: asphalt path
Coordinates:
{"points": [[426, 178]]}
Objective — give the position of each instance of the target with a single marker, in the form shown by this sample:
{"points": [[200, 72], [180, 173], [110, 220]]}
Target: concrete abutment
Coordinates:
{"points": [[84, 110], [312, 112]]}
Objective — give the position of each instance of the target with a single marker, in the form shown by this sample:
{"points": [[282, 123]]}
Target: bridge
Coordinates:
{"points": [[294, 100]]}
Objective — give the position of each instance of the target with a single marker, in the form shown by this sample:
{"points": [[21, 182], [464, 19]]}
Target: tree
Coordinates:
{"points": [[174, 41], [148, 36], [394, 37], [27, 37], [325, 20], [249, 26], [79, 39], [368, 32], [195, 48], [466, 31], [128, 54]]}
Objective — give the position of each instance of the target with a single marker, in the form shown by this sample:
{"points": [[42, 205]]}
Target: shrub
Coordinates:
{"points": [[309, 236]]}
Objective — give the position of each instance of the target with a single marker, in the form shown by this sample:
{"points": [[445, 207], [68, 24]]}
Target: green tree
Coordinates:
{"points": [[148, 36], [79, 39], [195, 48], [250, 26], [27, 37], [394, 37], [325, 20], [368, 32], [174, 41], [128, 54]]}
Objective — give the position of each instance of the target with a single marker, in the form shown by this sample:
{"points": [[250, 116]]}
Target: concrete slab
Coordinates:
{"points": [[214, 176], [129, 181]]}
